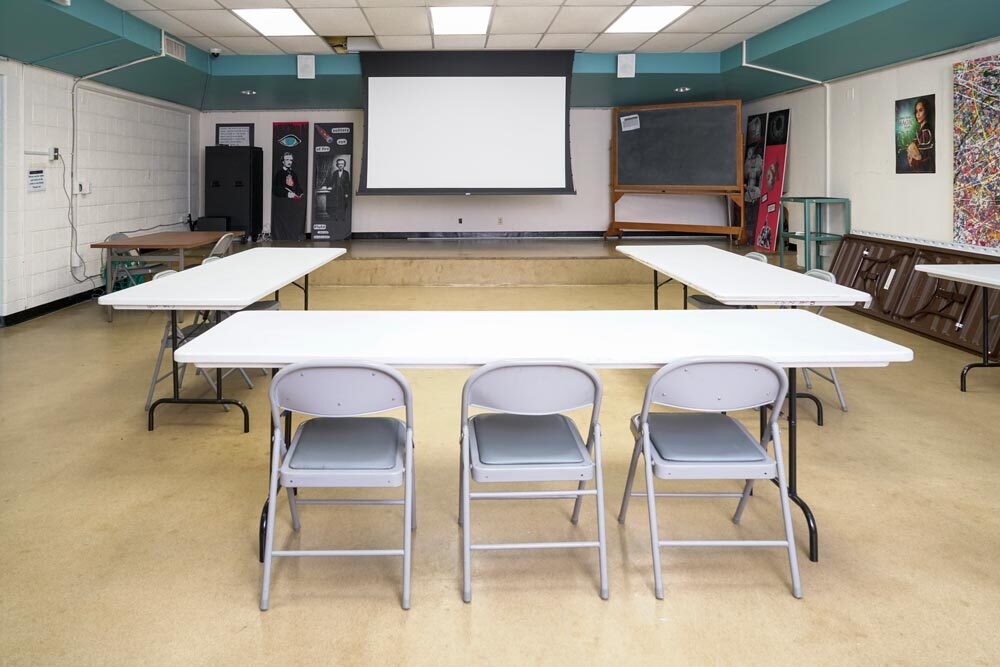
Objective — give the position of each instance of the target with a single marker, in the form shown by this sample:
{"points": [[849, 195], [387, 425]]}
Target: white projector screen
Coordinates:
{"points": [[494, 132]]}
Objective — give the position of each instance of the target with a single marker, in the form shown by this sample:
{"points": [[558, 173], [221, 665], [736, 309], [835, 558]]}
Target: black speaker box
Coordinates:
{"points": [[234, 187]]}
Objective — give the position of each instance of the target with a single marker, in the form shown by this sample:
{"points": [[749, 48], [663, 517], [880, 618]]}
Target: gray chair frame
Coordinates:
{"points": [[222, 246], [543, 387], [714, 385], [336, 389], [705, 302], [832, 378]]}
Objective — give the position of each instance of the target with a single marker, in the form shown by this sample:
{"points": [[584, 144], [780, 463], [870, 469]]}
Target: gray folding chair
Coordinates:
{"points": [[706, 302], [832, 377], [705, 443], [184, 334], [125, 264], [526, 438], [221, 247], [341, 448]]}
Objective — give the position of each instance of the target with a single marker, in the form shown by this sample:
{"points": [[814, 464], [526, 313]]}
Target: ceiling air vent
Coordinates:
{"points": [[174, 49]]}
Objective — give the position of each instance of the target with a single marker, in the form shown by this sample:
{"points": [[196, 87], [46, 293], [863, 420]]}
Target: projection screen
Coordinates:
{"points": [[443, 123]]}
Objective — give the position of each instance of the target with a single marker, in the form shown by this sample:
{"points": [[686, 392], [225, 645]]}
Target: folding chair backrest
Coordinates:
{"points": [[221, 246], [210, 259], [756, 256], [120, 252], [822, 275], [339, 389], [164, 274], [717, 384], [532, 388]]}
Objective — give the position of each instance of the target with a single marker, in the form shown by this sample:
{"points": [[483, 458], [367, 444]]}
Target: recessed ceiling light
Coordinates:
{"points": [[460, 20], [682, 89], [647, 19], [275, 22], [249, 92]]}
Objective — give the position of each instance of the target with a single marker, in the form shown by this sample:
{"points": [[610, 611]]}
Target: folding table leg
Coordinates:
{"points": [[985, 363]]}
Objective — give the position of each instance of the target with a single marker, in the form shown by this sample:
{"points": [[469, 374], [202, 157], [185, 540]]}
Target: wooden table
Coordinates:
{"points": [[229, 284], [983, 275], [442, 339]]}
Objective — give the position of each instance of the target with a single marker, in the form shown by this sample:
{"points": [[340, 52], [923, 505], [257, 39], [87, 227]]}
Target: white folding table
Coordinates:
{"points": [[984, 275], [737, 281], [230, 284], [604, 339]]}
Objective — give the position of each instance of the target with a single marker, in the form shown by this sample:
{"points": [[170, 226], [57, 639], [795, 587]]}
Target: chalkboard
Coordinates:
{"points": [[678, 147]]}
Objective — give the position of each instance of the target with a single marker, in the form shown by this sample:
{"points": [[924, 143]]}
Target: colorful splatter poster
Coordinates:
{"points": [[915, 135], [977, 152], [772, 182]]}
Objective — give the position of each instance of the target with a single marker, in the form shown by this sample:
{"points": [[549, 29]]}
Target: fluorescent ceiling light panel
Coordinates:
{"points": [[460, 20], [275, 22], [647, 19]]}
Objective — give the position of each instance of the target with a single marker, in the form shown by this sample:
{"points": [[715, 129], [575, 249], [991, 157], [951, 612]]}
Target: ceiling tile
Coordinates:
{"points": [[215, 22], [322, 3], [206, 44], [581, 20], [253, 4], [765, 18], [707, 19], [688, 3], [813, 3], [168, 23], [129, 5], [521, 20], [622, 42], [457, 3], [405, 43], [590, 3], [719, 41], [342, 21], [185, 4], [250, 46], [512, 41], [445, 42], [528, 3], [756, 3], [578, 41], [301, 44], [671, 42], [391, 3], [399, 20]]}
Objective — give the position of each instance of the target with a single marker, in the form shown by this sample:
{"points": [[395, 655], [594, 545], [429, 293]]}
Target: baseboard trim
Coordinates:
{"points": [[510, 235], [46, 308]]}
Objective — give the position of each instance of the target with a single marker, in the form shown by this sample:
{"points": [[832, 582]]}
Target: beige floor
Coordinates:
{"points": [[126, 547]]}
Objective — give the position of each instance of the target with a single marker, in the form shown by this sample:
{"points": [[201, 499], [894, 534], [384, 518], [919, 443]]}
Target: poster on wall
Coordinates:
{"points": [[753, 169], [977, 152], [772, 180], [234, 134], [915, 135], [290, 157], [333, 146]]}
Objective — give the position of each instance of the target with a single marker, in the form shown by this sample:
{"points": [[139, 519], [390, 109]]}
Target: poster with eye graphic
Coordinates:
{"points": [[772, 181], [333, 146], [290, 158], [915, 135]]}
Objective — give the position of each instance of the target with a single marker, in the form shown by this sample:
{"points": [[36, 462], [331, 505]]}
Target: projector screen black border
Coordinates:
{"points": [[464, 63]]}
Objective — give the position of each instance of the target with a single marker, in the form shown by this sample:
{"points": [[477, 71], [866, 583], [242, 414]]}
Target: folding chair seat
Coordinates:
{"points": [[705, 443], [526, 438], [832, 377], [705, 302], [339, 447]]}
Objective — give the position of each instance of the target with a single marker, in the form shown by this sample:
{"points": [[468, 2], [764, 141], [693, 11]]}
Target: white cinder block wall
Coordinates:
{"points": [[138, 154], [862, 138]]}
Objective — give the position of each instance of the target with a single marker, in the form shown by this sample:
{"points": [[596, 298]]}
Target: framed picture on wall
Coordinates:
{"points": [[234, 134], [915, 135]]}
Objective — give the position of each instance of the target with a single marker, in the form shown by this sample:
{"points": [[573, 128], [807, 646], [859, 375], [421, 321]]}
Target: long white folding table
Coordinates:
{"points": [[230, 284], [603, 339], [985, 276]]}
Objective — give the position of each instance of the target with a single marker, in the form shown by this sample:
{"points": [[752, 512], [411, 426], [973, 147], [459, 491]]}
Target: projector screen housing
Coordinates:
{"points": [[466, 123]]}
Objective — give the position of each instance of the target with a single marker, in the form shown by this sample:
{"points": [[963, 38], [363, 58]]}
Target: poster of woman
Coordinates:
{"points": [[915, 135]]}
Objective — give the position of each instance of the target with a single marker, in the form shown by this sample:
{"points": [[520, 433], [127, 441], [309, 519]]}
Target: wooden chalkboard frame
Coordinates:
{"points": [[733, 194]]}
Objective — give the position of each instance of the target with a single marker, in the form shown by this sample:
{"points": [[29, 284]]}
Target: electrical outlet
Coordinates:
{"points": [[83, 188], [53, 153], [459, 221], [499, 219]]}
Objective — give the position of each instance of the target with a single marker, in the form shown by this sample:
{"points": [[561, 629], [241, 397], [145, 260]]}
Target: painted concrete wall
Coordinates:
{"points": [[138, 154]]}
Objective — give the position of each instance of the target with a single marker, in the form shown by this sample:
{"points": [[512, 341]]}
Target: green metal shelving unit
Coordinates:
{"points": [[812, 233]]}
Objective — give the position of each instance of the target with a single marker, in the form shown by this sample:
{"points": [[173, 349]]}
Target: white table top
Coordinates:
{"points": [[984, 275], [231, 283], [738, 281], [609, 339]]}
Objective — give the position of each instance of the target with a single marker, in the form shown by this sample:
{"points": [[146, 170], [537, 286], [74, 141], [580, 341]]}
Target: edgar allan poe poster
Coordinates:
{"points": [[290, 181], [333, 145]]}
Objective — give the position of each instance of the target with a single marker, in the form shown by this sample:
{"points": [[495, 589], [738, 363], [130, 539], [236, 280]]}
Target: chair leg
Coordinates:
{"points": [[628, 482], [408, 525], [466, 528], [246, 378], [577, 503], [747, 489], [786, 514], [461, 488], [265, 592], [805, 376], [840, 392], [294, 509], [654, 534], [602, 548], [413, 495], [156, 371]]}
